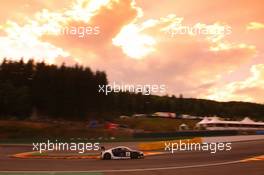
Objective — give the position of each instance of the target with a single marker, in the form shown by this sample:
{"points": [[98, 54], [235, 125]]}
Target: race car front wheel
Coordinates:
{"points": [[107, 156], [134, 155]]}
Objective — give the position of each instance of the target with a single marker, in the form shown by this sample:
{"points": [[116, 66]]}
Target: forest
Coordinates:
{"points": [[36, 89]]}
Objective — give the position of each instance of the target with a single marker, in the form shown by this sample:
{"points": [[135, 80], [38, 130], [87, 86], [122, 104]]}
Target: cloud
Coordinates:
{"points": [[255, 26], [16, 50], [187, 64], [250, 89], [109, 18], [137, 49], [45, 26], [133, 43], [21, 10]]}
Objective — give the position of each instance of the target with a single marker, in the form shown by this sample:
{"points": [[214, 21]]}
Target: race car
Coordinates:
{"points": [[121, 152]]}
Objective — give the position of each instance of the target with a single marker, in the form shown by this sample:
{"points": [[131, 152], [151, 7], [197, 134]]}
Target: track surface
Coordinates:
{"points": [[178, 163]]}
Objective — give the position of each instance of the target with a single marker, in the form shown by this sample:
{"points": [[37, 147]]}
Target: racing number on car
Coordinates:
{"points": [[127, 154]]}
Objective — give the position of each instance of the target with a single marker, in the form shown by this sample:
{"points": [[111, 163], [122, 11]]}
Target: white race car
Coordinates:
{"points": [[121, 152]]}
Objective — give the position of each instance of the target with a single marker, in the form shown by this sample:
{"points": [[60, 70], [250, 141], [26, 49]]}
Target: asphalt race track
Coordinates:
{"points": [[183, 163]]}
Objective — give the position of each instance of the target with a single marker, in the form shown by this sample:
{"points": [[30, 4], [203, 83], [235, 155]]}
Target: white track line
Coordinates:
{"points": [[130, 170]]}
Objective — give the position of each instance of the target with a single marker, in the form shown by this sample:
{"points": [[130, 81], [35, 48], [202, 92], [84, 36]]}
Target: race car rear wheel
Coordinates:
{"points": [[107, 156]]}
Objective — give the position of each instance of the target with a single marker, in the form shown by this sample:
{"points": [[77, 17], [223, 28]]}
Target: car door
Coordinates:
{"points": [[126, 153], [116, 152]]}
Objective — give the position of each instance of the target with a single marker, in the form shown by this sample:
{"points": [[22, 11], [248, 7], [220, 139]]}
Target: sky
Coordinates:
{"points": [[146, 42]]}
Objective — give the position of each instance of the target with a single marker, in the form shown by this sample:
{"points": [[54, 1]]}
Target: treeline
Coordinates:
{"points": [[40, 90], [30, 88]]}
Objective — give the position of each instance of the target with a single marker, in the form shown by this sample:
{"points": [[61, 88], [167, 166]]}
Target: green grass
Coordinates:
{"points": [[156, 124], [122, 139], [27, 132]]}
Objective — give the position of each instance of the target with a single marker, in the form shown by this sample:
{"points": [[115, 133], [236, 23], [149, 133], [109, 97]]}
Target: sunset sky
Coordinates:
{"points": [[134, 45]]}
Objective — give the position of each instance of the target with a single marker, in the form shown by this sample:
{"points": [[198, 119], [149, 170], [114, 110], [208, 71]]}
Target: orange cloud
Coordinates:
{"points": [[194, 65], [250, 89], [109, 19], [190, 64], [255, 26]]}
